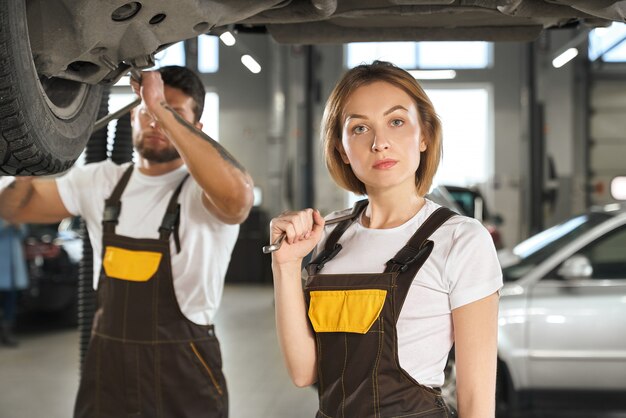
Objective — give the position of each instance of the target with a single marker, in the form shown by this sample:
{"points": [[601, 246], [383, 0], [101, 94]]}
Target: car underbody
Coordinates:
{"points": [[96, 42], [59, 56]]}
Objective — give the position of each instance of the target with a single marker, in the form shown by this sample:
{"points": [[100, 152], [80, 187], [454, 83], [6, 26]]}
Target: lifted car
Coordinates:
{"points": [[57, 55]]}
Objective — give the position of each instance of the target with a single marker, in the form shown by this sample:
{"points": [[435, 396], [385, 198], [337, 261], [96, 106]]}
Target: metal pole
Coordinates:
{"points": [[308, 172]]}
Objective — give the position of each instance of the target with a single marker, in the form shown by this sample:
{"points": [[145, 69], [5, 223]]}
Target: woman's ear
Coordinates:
{"points": [[423, 145]]}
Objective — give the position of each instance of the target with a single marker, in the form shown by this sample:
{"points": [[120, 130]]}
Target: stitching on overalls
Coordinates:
{"points": [[157, 349], [343, 372], [138, 380], [416, 414], [156, 342], [320, 379], [208, 369], [98, 383], [375, 370], [125, 311], [324, 415], [157, 380]]}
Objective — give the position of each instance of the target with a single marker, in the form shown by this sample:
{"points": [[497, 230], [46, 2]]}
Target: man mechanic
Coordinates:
{"points": [[162, 233]]}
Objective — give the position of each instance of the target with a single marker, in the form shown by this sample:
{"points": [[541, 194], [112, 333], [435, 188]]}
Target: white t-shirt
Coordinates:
{"points": [[462, 268], [206, 243]]}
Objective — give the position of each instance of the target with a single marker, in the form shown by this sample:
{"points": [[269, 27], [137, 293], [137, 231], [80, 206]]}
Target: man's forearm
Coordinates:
{"points": [[224, 180], [15, 197]]}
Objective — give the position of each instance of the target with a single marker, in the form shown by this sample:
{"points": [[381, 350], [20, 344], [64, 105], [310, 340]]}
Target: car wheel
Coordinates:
{"points": [[44, 122], [448, 390]]}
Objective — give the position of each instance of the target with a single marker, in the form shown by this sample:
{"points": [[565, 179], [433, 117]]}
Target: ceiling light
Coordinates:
{"points": [[251, 64], [565, 57], [227, 38], [433, 74], [618, 188]]}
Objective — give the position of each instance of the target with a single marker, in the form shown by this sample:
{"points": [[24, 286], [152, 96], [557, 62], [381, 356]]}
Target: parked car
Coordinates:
{"points": [[562, 319], [57, 56], [52, 253], [469, 201]]}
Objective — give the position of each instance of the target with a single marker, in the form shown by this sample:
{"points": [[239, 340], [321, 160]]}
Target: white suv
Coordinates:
{"points": [[562, 320]]}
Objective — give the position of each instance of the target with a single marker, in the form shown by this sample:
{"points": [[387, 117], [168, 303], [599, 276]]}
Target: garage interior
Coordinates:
{"points": [[552, 143]]}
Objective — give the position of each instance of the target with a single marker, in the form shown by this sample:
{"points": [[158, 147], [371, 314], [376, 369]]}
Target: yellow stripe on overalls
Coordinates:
{"points": [[345, 310], [134, 266]]}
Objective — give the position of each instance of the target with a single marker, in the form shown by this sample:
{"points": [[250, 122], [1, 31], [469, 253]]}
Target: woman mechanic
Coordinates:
{"points": [[395, 281]]}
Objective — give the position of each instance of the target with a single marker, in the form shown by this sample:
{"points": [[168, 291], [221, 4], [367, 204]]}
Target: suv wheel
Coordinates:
{"points": [[44, 122]]}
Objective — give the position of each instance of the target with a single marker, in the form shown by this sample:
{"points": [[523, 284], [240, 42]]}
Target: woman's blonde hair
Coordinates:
{"points": [[332, 122]]}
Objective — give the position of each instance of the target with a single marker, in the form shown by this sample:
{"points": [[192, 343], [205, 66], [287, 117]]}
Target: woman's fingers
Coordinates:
{"points": [[296, 226]]}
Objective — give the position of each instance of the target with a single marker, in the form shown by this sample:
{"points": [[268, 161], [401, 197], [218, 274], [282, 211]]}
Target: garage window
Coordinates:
{"points": [[422, 55], [172, 55], [467, 134], [208, 54], [607, 44]]}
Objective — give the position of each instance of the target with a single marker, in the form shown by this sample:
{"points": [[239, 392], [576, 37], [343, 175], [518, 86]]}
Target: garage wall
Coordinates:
{"points": [[271, 147], [607, 128]]}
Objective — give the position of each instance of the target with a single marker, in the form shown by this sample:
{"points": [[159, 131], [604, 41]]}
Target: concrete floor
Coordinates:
{"points": [[40, 377]]}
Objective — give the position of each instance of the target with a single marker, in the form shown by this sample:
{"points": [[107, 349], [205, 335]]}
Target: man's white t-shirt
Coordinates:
{"points": [[462, 268], [199, 268]]}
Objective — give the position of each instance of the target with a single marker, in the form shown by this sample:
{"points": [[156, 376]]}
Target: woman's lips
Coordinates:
{"points": [[384, 164]]}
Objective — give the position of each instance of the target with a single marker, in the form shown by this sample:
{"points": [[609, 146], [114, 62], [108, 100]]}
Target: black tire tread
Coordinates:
{"points": [[19, 150]]}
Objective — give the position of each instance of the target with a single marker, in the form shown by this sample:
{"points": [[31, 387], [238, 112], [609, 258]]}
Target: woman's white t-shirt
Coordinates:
{"points": [[462, 268], [199, 268]]}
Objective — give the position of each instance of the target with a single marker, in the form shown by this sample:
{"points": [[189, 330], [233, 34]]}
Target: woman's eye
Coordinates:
{"points": [[397, 122], [359, 129]]}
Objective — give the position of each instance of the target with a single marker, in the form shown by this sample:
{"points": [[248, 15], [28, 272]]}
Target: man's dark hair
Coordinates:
{"points": [[188, 82]]}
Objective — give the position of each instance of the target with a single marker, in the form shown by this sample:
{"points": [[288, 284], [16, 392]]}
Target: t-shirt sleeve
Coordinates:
{"points": [[71, 185], [81, 189], [472, 268]]}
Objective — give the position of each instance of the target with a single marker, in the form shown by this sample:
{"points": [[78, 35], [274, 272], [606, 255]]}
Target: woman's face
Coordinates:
{"points": [[381, 137]]}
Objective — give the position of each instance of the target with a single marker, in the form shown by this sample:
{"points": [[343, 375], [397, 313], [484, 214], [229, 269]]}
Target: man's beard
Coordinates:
{"points": [[164, 155]]}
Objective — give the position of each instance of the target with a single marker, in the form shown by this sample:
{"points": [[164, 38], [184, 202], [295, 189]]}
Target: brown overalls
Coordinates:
{"points": [[145, 358], [354, 317]]}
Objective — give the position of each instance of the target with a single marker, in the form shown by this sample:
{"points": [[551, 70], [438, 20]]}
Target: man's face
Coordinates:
{"points": [[149, 139]]}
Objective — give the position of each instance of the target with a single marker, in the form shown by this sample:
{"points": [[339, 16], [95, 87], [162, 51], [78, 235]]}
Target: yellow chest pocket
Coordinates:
{"points": [[134, 266], [345, 310]]}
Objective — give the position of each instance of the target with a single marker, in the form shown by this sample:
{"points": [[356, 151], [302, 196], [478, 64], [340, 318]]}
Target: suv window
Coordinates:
{"points": [[607, 255], [538, 248]]}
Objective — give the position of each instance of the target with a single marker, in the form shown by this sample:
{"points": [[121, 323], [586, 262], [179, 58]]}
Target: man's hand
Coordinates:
{"points": [[151, 90]]}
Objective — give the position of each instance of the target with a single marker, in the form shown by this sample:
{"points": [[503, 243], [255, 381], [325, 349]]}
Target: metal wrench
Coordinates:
{"points": [[135, 74], [275, 245]]}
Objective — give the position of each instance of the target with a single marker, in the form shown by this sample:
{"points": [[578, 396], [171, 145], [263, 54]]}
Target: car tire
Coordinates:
{"points": [[44, 122]]}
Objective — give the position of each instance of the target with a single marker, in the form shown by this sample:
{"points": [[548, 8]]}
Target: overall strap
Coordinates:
{"points": [[113, 205], [419, 244], [171, 219], [332, 247], [414, 254]]}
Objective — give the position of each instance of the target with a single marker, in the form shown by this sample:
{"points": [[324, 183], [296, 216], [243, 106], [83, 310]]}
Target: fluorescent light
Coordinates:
{"points": [[433, 74], [227, 38], [565, 57], [251, 64]]}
